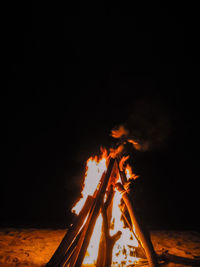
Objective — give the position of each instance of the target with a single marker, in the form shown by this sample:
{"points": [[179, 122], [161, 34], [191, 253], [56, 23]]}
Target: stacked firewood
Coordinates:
{"points": [[73, 247]]}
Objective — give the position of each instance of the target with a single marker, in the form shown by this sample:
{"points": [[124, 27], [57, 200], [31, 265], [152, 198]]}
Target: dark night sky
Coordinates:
{"points": [[75, 72]]}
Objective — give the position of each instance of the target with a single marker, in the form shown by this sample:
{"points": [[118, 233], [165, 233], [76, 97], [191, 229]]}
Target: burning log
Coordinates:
{"points": [[102, 247], [141, 232], [70, 235], [124, 181], [70, 240], [93, 216], [107, 242], [72, 250], [131, 229], [122, 173]]}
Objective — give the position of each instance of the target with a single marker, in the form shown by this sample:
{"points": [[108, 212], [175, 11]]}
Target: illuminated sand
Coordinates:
{"points": [[34, 247]]}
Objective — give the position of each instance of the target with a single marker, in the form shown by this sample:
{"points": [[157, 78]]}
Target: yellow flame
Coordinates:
{"points": [[93, 248], [122, 248], [94, 170], [128, 171]]}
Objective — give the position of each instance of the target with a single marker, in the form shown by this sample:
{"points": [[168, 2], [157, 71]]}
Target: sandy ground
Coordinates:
{"points": [[34, 247]]}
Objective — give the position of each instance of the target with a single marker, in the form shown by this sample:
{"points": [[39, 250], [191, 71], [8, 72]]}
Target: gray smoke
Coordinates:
{"points": [[149, 123]]}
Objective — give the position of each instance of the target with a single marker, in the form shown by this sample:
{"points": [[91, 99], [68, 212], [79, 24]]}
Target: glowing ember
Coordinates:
{"points": [[123, 251]]}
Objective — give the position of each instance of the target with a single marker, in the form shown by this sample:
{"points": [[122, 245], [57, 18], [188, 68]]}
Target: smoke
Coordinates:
{"points": [[148, 126]]}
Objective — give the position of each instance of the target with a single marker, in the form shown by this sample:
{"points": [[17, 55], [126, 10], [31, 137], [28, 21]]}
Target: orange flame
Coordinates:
{"points": [[115, 152], [129, 173], [122, 162], [94, 170], [121, 131]]}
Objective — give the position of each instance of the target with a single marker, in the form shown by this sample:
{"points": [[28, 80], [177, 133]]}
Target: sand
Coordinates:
{"points": [[34, 247]]}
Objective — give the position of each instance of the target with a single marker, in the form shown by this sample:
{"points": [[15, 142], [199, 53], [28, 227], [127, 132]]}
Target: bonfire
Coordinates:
{"points": [[107, 230]]}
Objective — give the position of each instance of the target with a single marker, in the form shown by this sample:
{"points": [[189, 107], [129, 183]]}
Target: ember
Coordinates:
{"points": [[107, 231]]}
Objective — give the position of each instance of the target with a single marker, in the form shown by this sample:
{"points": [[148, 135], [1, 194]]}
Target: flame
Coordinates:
{"points": [[115, 152], [93, 248], [122, 162], [122, 248], [128, 170], [95, 167], [121, 131]]}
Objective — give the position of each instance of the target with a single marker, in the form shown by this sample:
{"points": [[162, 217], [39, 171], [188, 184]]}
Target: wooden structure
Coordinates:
{"points": [[73, 247]]}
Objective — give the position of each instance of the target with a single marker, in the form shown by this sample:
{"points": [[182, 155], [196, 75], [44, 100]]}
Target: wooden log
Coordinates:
{"points": [[179, 260], [81, 239], [139, 227], [131, 229], [80, 243], [101, 251], [76, 252], [93, 216], [109, 240], [102, 245], [122, 173], [70, 235], [70, 251], [109, 198]]}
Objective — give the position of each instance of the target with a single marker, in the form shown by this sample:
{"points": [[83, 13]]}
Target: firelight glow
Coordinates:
{"points": [[123, 251], [94, 169]]}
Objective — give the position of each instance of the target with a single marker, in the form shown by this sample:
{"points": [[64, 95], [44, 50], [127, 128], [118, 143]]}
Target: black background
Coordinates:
{"points": [[73, 72]]}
